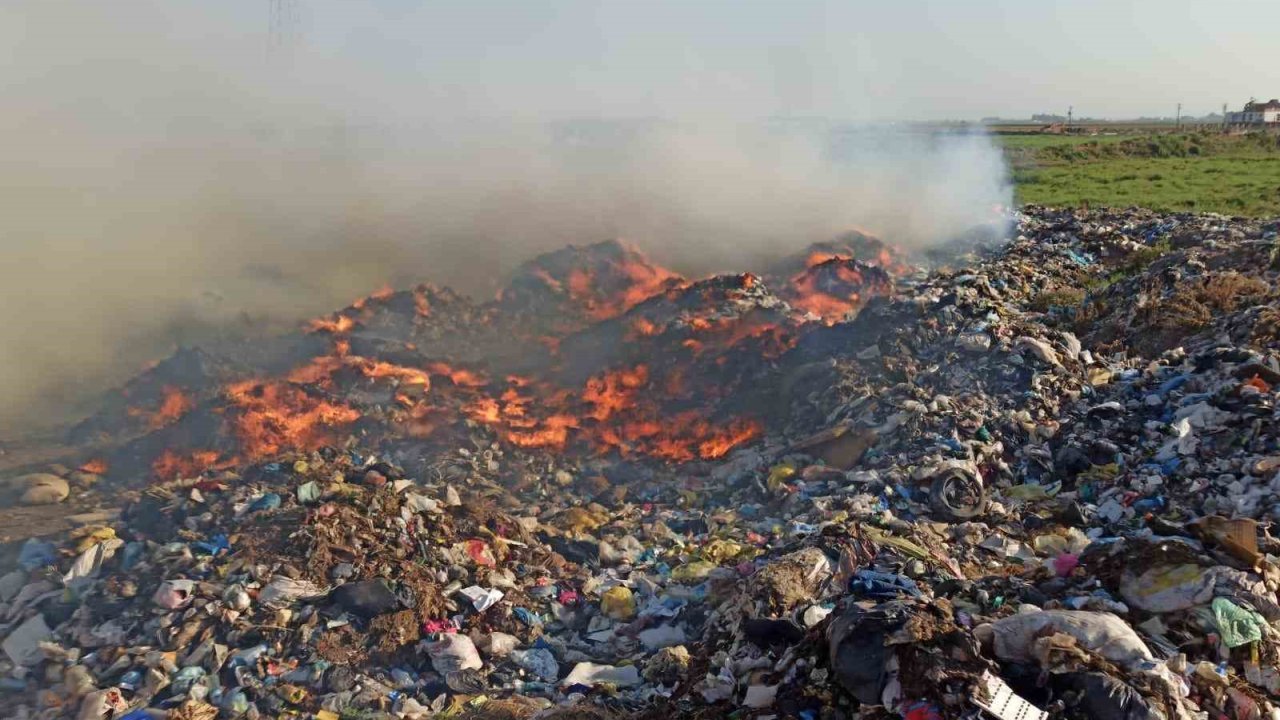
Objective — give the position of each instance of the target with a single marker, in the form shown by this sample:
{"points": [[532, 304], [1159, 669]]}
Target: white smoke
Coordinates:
{"points": [[160, 182]]}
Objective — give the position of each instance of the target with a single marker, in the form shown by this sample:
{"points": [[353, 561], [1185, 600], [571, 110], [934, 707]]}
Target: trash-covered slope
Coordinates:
{"points": [[1014, 485]]}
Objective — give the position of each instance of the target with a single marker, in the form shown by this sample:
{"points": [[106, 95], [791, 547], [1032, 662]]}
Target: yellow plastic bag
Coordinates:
{"points": [[618, 603], [695, 571]]}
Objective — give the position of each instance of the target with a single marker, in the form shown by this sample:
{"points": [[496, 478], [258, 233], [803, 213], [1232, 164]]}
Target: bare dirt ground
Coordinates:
{"points": [[19, 523]]}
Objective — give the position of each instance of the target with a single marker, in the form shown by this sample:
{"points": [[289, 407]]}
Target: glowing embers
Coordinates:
{"points": [[614, 392], [97, 466], [271, 416], [421, 304], [833, 286], [338, 324], [680, 437], [511, 413], [172, 464], [618, 411], [623, 285], [586, 284], [648, 369], [317, 400], [343, 322], [174, 403]]}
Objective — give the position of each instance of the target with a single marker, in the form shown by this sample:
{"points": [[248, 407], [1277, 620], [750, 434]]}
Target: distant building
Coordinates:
{"points": [[1256, 113]]}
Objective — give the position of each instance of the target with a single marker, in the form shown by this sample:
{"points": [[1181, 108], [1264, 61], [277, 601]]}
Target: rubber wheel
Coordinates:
{"points": [[958, 495]]}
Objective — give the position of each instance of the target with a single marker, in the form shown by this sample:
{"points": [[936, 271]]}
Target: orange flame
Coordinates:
{"points": [[624, 409], [545, 277], [484, 410], [637, 278], [818, 257], [614, 391], [615, 411], [642, 327], [553, 434], [97, 466], [829, 308], [376, 369], [461, 377], [173, 405], [421, 305], [678, 438], [171, 465], [720, 443], [275, 416], [378, 295], [580, 285], [338, 325], [832, 285], [322, 369]]}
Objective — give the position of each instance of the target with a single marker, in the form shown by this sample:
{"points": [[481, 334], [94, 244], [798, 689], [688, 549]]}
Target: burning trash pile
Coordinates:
{"points": [[589, 349], [1037, 481]]}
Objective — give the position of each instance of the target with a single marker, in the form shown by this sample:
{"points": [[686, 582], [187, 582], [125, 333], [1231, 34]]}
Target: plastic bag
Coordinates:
{"points": [[283, 591], [695, 571], [1103, 633], [37, 554], [479, 552], [882, 586], [591, 674], [618, 603], [481, 598], [451, 653], [23, 643], [1167, 588], [1237, 626], [499, 644], [173, 594], [539, 662]]}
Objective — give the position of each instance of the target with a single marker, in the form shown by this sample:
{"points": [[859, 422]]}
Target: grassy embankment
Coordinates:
{"points": [[1201, 172]]}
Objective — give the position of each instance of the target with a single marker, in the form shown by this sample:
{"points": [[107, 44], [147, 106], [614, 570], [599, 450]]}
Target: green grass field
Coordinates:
{"points": [[1202, 172], [1037, 141]]}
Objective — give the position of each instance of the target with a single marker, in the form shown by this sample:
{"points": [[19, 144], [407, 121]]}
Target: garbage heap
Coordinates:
{"points": [[1037, 483]]}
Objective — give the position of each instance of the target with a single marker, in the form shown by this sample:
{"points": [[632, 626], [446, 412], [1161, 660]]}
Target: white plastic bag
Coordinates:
{"points": [[1100, 632], [453, 652]]}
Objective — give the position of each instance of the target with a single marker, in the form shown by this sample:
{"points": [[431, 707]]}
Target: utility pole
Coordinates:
{"points": [[1070, 109], [282, 22], [282, 25], [1177, 120], [1224, 116]]}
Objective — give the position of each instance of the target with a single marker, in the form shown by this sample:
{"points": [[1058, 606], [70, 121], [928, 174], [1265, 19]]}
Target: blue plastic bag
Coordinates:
{"points": [[882, 586], [37, 554]]}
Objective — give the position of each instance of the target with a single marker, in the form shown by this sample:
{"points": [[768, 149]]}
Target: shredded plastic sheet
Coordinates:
{"points": [[1004, 703]]}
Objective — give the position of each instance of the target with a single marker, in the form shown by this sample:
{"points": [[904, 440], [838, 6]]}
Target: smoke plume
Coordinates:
{"points": [[164, 179]]}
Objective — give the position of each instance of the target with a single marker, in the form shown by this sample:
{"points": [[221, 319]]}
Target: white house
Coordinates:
{"points": [[1257, 113]]}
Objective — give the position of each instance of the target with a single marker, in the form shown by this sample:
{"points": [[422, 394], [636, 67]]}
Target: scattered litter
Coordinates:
{"points": [[1048, 463]]}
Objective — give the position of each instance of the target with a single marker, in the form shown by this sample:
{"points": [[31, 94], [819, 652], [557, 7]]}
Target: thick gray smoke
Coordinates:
{"points": [[162, 182]]}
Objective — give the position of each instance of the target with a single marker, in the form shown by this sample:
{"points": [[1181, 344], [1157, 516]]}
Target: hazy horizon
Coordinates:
{"points": [[848, 61]]}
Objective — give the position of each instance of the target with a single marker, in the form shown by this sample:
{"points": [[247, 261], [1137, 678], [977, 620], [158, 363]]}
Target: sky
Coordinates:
{"points": [[856, 59]]}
